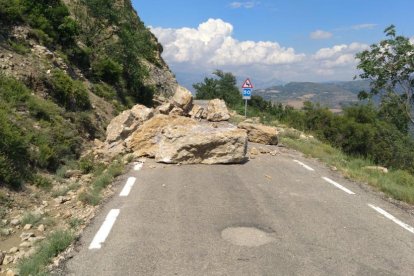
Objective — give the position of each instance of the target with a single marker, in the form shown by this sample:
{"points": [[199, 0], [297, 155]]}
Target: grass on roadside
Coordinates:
{"points": [[56, 243], [397, 183], [103, 178]]}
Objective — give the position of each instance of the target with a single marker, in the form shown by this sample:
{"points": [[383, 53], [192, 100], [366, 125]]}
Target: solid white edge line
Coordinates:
{"points": [[128, 186], [105, 229], [138, 166], [304, 165], [391, 217], [339, 186]]}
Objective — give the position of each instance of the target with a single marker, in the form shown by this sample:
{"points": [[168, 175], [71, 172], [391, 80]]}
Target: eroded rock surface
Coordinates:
{"points": [[217, 111], [183, 99], [127, 122], [202, 143], [260, 134]]}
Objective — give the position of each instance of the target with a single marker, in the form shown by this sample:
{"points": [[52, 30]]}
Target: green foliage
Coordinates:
{"points": [[69, 93], [42, 182], [87, 164], [390, 67], [33, 135], [107, 70], [57, 242], [223, 87], [31, 218], [105, 91]]}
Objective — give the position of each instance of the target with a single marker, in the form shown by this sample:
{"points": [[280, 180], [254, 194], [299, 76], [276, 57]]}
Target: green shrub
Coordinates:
{"points": [[48, 249], [31, 218], [87, 164], [104, 91], [69, 93], [107, 70], [42, 182], [19, 47]]}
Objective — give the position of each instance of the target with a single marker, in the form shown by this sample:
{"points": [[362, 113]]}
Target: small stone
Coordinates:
{"points": [[254, 151], [6, 232], [274, 153], [10, 273], [29, 253], [8, 259], [27, 227], [26, 236], [268, 176], [15, 222], [4, 222], [41, 228], [26, 244], [13, 250]]}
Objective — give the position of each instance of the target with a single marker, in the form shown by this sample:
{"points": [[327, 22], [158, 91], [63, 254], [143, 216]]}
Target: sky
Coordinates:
{"points": [[271, 41]]}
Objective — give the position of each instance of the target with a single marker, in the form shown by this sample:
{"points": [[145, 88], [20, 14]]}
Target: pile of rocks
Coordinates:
{"points": [[178, 131]]}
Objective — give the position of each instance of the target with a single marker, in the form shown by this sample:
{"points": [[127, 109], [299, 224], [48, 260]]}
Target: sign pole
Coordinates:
{"points": [[247, 94]]}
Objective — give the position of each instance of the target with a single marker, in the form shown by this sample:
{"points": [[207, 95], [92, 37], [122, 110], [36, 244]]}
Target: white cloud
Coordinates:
{"points": [[339, 55], [212, 46], [319, 34], [246, 5], [366, 26]]}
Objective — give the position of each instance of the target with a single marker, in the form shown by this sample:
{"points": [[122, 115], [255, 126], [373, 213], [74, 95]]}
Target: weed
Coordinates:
{"points": [[42, 182], [31, 218], [48, 249], [75, 223], [398, 184], [90, 198]]}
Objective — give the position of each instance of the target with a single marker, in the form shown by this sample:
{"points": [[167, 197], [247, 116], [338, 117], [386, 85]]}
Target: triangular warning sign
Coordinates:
{"points": [[247, 84]]}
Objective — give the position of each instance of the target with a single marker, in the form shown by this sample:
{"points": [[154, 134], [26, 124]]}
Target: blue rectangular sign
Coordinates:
{"points": [[247, 93]]}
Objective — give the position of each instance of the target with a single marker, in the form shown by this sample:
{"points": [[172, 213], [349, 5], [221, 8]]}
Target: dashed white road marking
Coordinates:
{"points": [[304, 165], [138, 166], [128, 186], [105, 229], [391, 217], [339, 186]]}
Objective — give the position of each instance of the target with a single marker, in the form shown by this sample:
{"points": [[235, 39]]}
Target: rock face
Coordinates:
{"points": [[183, 99], [194, 144], [144, 141], [127, 122], [197, 112], [261, 134], [183, 140], [217, 111]]}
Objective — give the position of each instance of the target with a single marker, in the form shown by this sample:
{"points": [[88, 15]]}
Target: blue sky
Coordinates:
{"points": [[298, 36]]}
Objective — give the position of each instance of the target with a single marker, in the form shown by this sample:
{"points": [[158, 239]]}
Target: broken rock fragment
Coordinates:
{"points": [[260, 134]]}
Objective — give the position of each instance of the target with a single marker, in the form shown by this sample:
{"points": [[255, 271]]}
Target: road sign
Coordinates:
{"points": [[247, 93], [247, 84]]}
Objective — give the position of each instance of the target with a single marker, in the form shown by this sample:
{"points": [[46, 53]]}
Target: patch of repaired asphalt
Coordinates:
{"points": [[246, 236]]}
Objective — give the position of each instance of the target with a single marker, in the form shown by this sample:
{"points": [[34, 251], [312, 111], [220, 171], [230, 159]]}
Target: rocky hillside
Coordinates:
{"points": [[66, 68]]}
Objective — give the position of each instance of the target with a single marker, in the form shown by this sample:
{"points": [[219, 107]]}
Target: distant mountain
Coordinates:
{"points": [[333, 95]]}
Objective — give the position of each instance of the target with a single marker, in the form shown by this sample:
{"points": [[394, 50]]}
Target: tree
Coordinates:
{"points": [[390, 67], [223, 87]]}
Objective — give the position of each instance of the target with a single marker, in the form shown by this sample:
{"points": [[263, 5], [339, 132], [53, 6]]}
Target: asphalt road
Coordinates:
{"points": [[287, 220]]}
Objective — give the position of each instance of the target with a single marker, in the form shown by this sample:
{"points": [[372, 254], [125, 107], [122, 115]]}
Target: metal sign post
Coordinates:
{"points": [[247, 93]]}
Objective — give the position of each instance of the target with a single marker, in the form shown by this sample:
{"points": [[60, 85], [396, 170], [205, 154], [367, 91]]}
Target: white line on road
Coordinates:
{"points": [[105, 229], [138, 166], [391, 217], [128, 186], [304, 165], [339, 186]]}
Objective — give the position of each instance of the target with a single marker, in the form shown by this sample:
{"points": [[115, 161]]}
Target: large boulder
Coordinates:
{"points": [[202, 143], [145, 140], [182, 99], [183, 140], [127, 122], [217, 111], [261, 134]]}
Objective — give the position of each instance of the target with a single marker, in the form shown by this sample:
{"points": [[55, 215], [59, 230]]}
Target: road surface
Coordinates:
{"points": [[275, 215]]}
